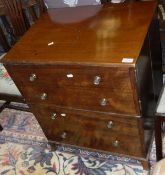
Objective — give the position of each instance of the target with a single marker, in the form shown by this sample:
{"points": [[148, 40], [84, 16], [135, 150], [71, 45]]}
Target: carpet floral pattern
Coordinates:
{"points": [[24, 151], [4, 74]]}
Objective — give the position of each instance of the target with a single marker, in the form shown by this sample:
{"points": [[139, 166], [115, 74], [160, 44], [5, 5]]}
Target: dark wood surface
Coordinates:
{"points": [[2, 8], [3, 40], [103, 38], [14, 11], [25, 5], [59, 89], [18, 12], [83, 99], [9, 97], [113, 78], [90, 129], [94, 46]]}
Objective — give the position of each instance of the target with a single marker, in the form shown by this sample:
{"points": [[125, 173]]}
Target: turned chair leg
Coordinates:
{"points": [[158, 138], [3, 41], [1, 128], [1, 109], [53, 145]]}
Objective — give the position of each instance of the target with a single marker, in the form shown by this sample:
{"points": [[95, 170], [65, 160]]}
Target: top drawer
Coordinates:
{"points": [[73, 76]]}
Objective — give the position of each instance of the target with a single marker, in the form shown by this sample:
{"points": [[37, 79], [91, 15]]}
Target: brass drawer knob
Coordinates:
{"points": [[63, 135], [32, 77], [115, 143], [110, 124], [103, 102], [44, 96], [53, 116], [97, 80]]}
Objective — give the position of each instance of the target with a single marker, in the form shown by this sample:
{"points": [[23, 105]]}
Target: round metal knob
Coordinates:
{"points": [[97, 80], [53, 116], [115, 143], [44, 96], [103, 102], [32, 77], [63, 135], [110, 124]]}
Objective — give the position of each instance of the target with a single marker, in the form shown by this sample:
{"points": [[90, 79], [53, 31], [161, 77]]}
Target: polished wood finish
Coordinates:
{"points": [[54, 66], [109, 42], [81, 85], [91, 129], [83, 76], [90, 99]]}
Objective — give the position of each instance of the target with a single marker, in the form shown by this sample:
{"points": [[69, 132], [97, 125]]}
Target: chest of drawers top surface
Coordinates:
{"points": [[103, 34]]}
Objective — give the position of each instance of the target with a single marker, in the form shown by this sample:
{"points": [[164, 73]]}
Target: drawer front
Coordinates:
{"points": [[73, 76], [93, 130], [106, 101], [47, 88]]}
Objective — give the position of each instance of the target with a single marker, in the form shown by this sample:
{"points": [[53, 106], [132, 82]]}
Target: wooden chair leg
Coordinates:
{"points": [[1, 109], [25, 109], [33, 13], [158, 138], [3, 41], [27, 22], [1, 128], [104, 1], [9, 29], [5, 104]]}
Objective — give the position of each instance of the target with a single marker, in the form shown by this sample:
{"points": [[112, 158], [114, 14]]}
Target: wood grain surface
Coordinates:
{"points": [[107, 34], [90, 129]]}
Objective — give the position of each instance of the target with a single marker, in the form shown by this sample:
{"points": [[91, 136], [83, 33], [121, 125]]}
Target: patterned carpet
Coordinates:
{"points": [[24, 151]]}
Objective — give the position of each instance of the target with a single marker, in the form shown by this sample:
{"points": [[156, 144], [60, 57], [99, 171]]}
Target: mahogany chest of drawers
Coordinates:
{"points": [[91, 75]]}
